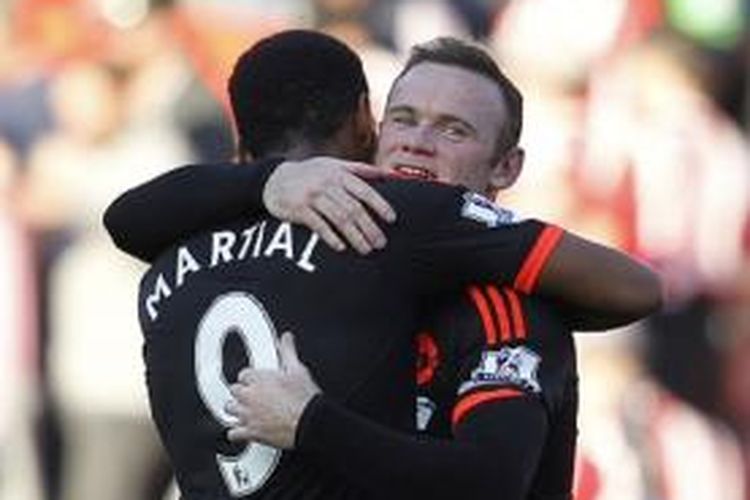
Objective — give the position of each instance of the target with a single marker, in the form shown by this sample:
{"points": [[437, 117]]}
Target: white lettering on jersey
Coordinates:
{"points": [[221, 253], [304, 259], [425, 410], [221, 247], [247, 238], [281, 240], [480, 209], [514, 366], [186, 263], [259, 239], [244, 314], [161, 291]]}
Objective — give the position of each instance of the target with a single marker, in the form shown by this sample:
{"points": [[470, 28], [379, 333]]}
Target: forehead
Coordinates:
{"points": [[444, 89]]}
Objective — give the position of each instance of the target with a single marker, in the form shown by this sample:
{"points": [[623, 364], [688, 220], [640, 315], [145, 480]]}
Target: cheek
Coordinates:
{"points": [[460, 175], [379, 151], [462, 166], [387, 142]]}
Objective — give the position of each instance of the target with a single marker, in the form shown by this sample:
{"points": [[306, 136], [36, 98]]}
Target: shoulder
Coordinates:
{"points": [[411, 190], [504, 316], [414, 196], [522, 343]]}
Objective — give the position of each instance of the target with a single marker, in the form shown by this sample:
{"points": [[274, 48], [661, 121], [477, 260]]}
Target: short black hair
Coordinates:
{"points": [[293, 85], [471, 57]]}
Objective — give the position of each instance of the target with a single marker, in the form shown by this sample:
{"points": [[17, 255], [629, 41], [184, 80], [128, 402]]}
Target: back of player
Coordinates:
{"points": [[218, 301]]}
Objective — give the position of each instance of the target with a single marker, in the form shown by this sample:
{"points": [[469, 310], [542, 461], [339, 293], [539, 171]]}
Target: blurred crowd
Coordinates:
{"points": [[637, 132]]}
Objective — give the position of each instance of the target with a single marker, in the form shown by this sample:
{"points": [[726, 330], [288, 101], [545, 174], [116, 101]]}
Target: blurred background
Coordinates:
{"points": [[637, 133]]}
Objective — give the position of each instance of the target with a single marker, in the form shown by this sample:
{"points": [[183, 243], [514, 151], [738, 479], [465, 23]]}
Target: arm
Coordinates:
{"points": [[496, 448], [571, 271], [601, 287], [147, 219], [469, 238]]}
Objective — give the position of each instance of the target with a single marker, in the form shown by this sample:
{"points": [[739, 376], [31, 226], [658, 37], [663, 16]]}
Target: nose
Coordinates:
{"points": [[419, 141]]}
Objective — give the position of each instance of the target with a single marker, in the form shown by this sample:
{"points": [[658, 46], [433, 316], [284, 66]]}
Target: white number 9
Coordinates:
{"points": [[240, 313]]}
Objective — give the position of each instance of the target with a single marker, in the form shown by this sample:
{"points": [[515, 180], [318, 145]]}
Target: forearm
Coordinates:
{"points": [[582, 320], [148, 218], [397, 465], [600, 287]]}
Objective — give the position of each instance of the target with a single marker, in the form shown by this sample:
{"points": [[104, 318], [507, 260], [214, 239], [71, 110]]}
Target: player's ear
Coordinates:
{"points": [[243, 154], [507, 168], [364, 123]]}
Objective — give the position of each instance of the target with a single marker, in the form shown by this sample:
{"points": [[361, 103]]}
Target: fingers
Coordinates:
{"points": [[246, 377], [370, 233], [367, 195], [334, 211], [356, 197], [239, 431], [350, 217], [232, 407], [330, 197], [366, 171], [288, 353], [239, 434], [315, 222]]}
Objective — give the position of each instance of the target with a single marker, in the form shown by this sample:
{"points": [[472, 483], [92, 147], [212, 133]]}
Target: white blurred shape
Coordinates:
{"points": [[124, 14], [558, 38]]}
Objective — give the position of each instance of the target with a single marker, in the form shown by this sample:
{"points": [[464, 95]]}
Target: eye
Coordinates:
{"points": [[401, 118], [454, 131]]}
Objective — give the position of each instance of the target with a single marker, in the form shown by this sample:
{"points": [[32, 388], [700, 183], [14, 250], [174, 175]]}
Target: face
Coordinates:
{"points": [[442, 123]]}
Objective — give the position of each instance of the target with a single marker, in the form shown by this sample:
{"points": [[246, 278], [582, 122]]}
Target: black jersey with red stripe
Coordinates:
{"points": [[493, 346], [216, 301]]}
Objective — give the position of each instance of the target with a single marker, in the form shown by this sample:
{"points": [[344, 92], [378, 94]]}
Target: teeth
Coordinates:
{"points": [[415, 172]]}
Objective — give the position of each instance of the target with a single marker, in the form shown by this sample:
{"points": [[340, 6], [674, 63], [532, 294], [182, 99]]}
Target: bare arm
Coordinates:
{"points": [[602, 287]]}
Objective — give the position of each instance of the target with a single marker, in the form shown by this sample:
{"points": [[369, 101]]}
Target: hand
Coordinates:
{"points": [[269, 403], [325, 194]]}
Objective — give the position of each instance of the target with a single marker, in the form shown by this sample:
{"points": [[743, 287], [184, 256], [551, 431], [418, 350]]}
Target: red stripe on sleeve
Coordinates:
{"points": [[484, 313], [537, 258], [502, 313], [517, 314], [472, 401]]}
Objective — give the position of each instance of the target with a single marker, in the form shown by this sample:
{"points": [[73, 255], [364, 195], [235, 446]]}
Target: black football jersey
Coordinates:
{"points": [[494, 345], [218, 300]]}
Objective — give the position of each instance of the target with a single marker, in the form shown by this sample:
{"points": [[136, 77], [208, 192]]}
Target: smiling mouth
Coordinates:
{"points": [[415, 172]]}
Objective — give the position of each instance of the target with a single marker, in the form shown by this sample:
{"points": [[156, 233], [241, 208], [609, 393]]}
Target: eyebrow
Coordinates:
{"points": [[400, 107]]}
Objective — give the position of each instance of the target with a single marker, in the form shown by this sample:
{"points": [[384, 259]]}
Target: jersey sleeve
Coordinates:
{"points": [[147, 219], [514, 414], [501, 460], [522, 349], [456, 237]]}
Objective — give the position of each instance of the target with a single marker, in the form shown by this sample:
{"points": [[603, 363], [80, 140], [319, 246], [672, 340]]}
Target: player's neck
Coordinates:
{"points": [[305, 150]]}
